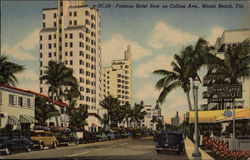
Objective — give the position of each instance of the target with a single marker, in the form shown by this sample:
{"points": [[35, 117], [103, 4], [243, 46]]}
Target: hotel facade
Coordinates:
{"points": [[71, 34], [117, 79]]}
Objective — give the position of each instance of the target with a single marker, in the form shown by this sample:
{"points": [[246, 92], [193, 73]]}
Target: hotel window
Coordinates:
{"points": [[60, 21], [87, 13], [54, 53], [54, 45], [41, 55], [54, 15], [75, 14], [75, 22], [21, 101], [28, 102], [71, 35], [50, 54], [41, 38], [54, 24], [50, 37], [81, 88], [70, 22], [41, 46], [12, 100], [66, 35], [66, 44], [71, 53], [41, 64], [49, 46], [71, 45], [81, 62], [54, 36], [43, 16], [71, 62], [70, 13], [87, 22], [81, 53], [81, 97]]}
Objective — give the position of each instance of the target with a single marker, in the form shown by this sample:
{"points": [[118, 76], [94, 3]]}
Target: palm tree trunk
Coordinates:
{"points": [[193, 91], [189, 101]]}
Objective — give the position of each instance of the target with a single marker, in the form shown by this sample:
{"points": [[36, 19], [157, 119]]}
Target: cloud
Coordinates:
{"points": [[146, 92], [144, 70], [215, 33], [21, 49], [165, 35], [114, 49], [28, 75]]}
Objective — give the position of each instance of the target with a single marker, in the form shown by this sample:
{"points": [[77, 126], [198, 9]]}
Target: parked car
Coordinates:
{"points": [[67, 138], [102, 136], [170, 141], [42, 138], [111, 135], [14, 142]]}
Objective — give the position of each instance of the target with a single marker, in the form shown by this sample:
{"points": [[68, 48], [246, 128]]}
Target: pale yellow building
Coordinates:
{"points": [[71, 34], [17, 107], [117, 79]]}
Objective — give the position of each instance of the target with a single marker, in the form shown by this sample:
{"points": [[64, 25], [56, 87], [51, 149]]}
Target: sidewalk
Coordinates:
{"points": [[189, 146]]}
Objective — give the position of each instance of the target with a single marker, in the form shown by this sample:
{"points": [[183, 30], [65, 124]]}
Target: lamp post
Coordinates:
{"points": [[196, 152]]}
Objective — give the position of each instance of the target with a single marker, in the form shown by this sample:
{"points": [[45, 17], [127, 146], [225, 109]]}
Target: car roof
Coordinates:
{"points": [[172, 132]]}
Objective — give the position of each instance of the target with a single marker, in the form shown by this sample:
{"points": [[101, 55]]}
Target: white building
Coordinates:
{"points": [[117, 79], [17, 107], [152, 113], [231, 38], [71, 34]]}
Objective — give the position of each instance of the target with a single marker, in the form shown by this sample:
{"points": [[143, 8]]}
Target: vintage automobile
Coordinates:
{"points": [[42, 138], [170, 141], [101, 136], [67, 138], [111, 136], [10, 142]]}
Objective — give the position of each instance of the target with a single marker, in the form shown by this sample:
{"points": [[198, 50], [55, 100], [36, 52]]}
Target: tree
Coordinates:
{"points": [[111, 104], [44, 110], [137, 114], [77, 117], [57, 76], [235, 66], [8, 71], [104, 120], [126, 112], [178, 77]]}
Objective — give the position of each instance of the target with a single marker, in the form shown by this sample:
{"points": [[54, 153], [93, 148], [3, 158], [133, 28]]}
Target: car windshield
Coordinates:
{"points": [[173, 138]]}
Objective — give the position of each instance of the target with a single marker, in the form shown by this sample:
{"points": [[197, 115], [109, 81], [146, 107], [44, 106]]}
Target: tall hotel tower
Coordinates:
{"points": [[71, 34], [117, 79]]}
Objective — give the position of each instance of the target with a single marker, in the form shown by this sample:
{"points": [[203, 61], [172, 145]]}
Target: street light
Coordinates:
{"points": [[196, 152]]}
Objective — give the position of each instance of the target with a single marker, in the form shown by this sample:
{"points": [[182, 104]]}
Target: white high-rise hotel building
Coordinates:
{"points": [[71, 34]]}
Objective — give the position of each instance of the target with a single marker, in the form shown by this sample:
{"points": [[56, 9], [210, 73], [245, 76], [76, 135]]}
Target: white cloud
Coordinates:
{"points": [[28, 75], [115, 47], [20, 50], [215, 33], [146, 92], [165, 35], [144, 70]]}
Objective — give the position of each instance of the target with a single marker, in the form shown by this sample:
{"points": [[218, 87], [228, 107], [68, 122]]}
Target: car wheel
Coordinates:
{"points": [[55, 145], [77, 142], [41, 146], [28, 149], [158, 151], [7, 151]]}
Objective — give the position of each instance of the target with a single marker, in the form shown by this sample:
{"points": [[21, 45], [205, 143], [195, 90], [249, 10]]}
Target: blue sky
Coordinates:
{"points": [[155, 35]]}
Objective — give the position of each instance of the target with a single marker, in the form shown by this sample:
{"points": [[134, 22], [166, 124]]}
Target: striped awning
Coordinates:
{"points": [[12, 120], [27, 119]]}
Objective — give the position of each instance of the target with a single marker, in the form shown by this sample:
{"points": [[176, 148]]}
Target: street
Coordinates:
{"points": [[119, 149]]}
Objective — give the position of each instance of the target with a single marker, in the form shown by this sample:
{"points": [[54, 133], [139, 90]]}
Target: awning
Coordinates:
{"points": [[214, 116], [239, 115], [93, 125], [12, 120], [27, 119]]}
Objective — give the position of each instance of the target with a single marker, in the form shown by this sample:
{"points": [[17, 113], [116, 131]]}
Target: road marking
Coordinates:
{"points": [[123, 144], [98, 149], [78, 154]]}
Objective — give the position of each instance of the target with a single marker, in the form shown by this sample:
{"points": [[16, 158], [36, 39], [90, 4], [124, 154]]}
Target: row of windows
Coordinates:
{"points": [[122, 91], [121, 96], [121, 76], [20, 101]]}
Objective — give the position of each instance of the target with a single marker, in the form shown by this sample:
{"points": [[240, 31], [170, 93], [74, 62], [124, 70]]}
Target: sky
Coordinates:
{"points": [[154, 34]]}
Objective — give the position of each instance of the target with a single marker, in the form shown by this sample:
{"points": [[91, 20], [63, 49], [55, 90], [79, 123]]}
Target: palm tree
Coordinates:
{"points": [[126, 111], [8, 71], [137, 114], [104, 120], [171, 80], [110, 104], [77, 117], [234, 67], [58, 76], [44, 110]]}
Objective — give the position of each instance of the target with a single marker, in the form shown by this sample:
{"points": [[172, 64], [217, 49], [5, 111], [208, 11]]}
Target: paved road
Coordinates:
{"points": [[122, 149]]}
